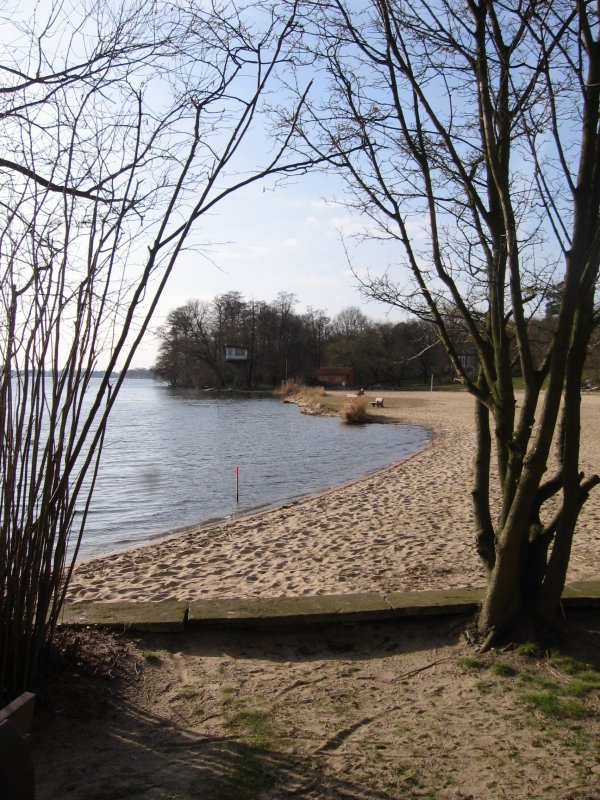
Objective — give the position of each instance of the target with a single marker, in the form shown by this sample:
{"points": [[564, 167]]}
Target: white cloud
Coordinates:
{"points": [[319, 205], [350, 226], [260, 249], [314, 281], [252, 253], [311, 221], [291, 244]]}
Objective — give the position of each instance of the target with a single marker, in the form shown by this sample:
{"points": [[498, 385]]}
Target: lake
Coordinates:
{"points": [[170, 460]]}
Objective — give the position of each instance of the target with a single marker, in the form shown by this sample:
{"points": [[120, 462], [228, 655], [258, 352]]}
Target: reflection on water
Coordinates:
{"points": [[170, 460]]}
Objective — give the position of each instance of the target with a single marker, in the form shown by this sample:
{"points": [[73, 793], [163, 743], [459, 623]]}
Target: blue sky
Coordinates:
{"points": [[262, 240], [265, 240]]}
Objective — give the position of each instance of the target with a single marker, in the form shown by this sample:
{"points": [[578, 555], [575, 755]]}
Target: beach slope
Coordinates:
{"points": [[405, 527]]}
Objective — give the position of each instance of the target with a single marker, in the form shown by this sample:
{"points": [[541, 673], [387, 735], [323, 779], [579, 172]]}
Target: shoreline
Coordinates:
{"points": [[405, 526], [242, 516], [162, 536]]}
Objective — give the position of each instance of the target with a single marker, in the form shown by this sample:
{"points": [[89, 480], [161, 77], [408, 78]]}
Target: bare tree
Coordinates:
{"points": [[468, 132], [317, 326], [121, 127], [350, 321], [188, 354]]}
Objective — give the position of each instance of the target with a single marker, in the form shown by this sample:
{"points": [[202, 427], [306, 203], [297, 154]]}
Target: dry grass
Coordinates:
{"points": [[315, 400], [288, 388], [308, 398], [292, 388], [312, 394], [354, 410]]}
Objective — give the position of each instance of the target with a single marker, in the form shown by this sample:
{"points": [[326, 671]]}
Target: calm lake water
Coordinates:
{"points": [[170, 460]]}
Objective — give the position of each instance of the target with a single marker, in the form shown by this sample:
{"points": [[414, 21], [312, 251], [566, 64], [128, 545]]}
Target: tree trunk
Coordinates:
{"points": [[484, 527]]}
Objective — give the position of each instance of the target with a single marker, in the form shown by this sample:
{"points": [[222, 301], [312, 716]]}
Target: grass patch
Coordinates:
{"points": [[251, 723], [539, 681], [528, 650], [555, 704], [151, 657], [579, 689], [556, 687], [580, 740], [562, 695], [250, 773], [576, 669], [469, 662], [503, 670]]}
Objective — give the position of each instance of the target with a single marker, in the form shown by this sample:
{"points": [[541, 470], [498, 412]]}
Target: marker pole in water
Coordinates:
{"points": [[237, 484]]}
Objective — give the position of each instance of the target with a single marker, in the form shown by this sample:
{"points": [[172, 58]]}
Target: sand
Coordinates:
{"points": [[397, 710], [405, 527]]}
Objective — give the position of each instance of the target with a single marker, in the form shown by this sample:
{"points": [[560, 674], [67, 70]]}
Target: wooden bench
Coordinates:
{"points": [[20, 713], [378, 402], [17, 780]]}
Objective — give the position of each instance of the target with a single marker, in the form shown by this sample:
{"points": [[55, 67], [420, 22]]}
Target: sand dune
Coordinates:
{"points": [[405, 527]]}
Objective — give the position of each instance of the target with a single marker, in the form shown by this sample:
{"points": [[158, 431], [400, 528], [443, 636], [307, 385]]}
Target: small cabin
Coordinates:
{"points": [[336, 377], [469, 360], [236, 353]]}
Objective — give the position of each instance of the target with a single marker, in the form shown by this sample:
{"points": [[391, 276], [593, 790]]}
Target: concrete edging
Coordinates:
{"points": [[276, 612]]}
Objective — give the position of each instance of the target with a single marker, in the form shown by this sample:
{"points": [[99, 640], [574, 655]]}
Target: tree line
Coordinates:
{"points": [[283, 344]]}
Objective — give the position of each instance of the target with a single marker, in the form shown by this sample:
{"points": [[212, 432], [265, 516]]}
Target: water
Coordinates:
{"points": [[170, 460]]}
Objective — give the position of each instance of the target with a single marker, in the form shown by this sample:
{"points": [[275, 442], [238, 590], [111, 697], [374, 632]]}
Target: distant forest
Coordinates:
{"points": [[281, 344]]}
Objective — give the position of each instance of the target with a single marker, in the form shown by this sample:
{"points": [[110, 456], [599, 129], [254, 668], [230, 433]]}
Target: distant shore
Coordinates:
{"points": [[405, 527]]}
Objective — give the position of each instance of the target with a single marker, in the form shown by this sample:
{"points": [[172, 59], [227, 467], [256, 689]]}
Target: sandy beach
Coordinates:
{"points": [[406, 527], [396, 709]]}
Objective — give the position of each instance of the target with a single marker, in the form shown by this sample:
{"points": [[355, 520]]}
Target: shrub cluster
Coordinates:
{"points": [[289, 388], [354, 410]]}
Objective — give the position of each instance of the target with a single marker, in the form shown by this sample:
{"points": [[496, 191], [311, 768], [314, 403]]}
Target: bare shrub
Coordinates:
{"points": [[101, 188], [311, 394], [354, 410], [288, 388]]}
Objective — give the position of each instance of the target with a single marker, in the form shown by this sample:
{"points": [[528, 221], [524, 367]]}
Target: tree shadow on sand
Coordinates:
{"points": [[174, 732], [136, 754], [99, 742]]}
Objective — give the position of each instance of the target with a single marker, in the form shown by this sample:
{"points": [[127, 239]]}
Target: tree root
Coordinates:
{"points": [[488, 642]]}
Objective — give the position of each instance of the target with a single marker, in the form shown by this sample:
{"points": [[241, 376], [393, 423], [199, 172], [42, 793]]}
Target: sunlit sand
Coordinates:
{"points": [[405, 527]]}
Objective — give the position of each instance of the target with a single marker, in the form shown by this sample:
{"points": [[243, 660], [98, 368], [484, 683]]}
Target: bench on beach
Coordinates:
{"points": [[16, 766], [378, 402]]}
